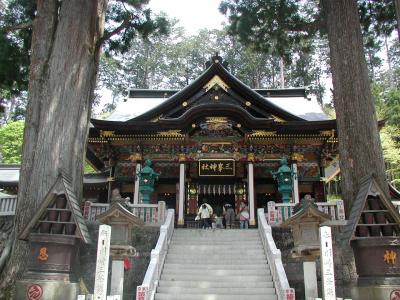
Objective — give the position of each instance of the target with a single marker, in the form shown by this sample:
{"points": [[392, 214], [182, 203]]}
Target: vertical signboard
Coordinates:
{"points": [[103, 253], [327, 268]]}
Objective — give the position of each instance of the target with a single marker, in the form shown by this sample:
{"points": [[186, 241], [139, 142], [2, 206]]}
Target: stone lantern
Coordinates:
{"points": [[305, 227], [122, 223], [284, 176]]}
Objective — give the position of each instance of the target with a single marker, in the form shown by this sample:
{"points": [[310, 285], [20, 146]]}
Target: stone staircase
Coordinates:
{"points": [[216, 265]]}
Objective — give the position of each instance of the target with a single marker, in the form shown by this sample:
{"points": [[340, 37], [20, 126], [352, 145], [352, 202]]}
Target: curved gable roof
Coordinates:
{"points": [[234, 87]]}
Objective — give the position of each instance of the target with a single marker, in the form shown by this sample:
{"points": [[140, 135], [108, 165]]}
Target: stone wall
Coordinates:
{"points": [[345, 271], [144, 240]]}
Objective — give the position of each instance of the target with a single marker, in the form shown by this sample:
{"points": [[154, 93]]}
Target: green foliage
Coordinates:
{"points": [[14, 56], [11, 138], [272, 26]]}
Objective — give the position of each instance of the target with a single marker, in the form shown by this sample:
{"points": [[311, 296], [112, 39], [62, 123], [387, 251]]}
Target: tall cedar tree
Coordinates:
{"points": [[360, 148], [359, 144], [62, 78], [397, 7], [65, 47]]}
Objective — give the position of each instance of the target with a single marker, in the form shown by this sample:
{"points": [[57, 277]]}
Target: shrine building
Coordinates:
{"points": [[216, 140]]}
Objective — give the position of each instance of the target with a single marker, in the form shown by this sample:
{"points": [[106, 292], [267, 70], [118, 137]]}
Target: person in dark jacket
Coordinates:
{"points": [[229, 216]]}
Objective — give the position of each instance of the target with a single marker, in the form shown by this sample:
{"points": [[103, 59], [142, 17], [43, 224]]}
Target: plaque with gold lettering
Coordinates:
{"points": [[216, 167]]}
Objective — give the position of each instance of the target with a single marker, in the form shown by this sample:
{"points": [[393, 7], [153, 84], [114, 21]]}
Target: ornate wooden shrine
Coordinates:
{"points": [[216, 139]]}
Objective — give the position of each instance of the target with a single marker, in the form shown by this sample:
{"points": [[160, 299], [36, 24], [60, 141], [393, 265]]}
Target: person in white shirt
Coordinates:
{"points": [[205, 213]]}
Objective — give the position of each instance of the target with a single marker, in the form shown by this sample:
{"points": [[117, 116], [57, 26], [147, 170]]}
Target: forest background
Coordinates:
{"points": [[172, 60]]}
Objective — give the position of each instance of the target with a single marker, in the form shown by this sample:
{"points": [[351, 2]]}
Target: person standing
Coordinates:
{"points": [[244, 215], [229, 216], [205, 213]]}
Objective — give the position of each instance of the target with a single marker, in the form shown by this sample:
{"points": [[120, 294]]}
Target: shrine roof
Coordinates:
{"points": [[217, 88], [302, 107]]}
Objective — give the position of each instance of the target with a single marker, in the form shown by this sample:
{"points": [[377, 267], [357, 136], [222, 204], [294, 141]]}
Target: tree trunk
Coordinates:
{"points": [[62, 77], [282, 72], [397, 8], [359, 144]]}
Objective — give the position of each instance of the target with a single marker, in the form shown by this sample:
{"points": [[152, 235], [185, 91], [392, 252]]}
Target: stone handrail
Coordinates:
{"points": [[280, 212], [147, 290], [8, 205], [283, 290], [149, 213]]}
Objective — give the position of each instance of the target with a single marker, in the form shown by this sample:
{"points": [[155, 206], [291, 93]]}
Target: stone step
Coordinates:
{"points": [[212, 251], [215, 290], [162, 296], [216, 272], [227, 232], [247, 266], [213, 247], [216, 257], [248, 243], [211, 277], [179, 259], [214, 284], [217, 233]]}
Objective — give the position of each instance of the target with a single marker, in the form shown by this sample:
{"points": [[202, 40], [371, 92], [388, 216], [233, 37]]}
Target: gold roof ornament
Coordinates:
{"points": [[216, 80], [257, 133], [106, 133], [170, 133], [277, 119]]}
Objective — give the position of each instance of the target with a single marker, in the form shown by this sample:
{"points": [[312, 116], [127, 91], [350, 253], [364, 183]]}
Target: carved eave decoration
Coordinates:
{"points": [[171, 133], [261, 133], [277, 119], [106, 133], [216, 80]]}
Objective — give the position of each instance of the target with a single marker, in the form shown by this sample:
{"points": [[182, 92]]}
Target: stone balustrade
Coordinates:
{"points": [[148, 288], [150, 214], [279, 212], [283, 290]]}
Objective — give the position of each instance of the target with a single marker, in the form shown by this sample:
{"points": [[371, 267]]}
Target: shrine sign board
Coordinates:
{"points": [[216, 167]]}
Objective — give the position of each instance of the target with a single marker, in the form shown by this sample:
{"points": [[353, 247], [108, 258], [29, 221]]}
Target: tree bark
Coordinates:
{"points": [[397, 8], [359, 144], [62, 77]]}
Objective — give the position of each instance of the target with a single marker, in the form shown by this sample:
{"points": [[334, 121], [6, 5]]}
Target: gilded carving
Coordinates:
{"points": [[277, 119], [256, 133], [298, 156], [106, 133], [216, 80], [170, 133]]}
